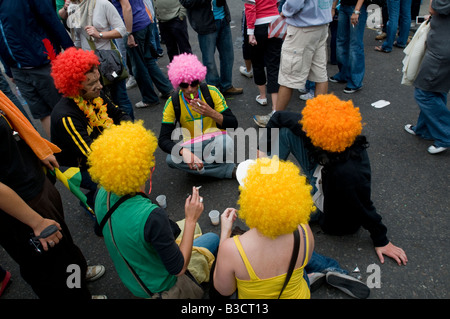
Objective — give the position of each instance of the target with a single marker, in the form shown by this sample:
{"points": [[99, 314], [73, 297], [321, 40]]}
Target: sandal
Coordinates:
{"points": [[261, 101], [380, 49]]}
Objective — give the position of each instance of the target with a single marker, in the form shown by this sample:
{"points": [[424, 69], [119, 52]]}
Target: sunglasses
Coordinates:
{"points": [[192, 84]]}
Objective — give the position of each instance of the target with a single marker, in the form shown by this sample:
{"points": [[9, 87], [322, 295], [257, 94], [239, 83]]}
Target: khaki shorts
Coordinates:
{"points": [[304, 56]]}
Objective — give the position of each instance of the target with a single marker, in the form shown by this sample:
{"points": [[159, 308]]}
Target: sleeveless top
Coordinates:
{"points": [[270, 288]]}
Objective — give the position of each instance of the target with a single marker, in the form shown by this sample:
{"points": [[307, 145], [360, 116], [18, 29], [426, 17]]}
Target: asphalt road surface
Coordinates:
{"points": [[410, 187]]}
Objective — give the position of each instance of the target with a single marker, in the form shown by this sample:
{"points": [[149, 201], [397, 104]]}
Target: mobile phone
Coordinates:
{"points": [[420, 19]]}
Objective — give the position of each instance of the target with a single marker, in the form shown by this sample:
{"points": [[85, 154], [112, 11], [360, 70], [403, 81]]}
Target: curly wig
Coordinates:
{"points": [[185, 68], [330, 123], [275, 198], [69, 70], [122, 157]]}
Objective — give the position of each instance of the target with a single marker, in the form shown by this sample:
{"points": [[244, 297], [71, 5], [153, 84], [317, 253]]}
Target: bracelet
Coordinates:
{"points": [[356, 12]]}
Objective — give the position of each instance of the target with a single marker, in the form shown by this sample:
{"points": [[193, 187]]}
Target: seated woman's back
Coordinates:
{"points": [[261, 265]]}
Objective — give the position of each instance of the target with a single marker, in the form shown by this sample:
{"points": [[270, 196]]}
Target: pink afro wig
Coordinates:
{"points": [[185, 68], [69, 69]]}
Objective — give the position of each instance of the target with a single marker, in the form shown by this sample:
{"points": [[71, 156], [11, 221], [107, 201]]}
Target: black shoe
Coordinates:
{"points": [[351, 286], [334, 80], [351, 91]]}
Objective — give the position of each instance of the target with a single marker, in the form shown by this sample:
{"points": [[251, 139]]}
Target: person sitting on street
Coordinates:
{"points": [[325, 139], [204, 116], [141, 239], [83, 113]]}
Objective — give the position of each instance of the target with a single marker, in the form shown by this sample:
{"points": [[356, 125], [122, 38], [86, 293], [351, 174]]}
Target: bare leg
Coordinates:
{"points": [[321, 88], [262, 91], [284, 96], [248, 65]]}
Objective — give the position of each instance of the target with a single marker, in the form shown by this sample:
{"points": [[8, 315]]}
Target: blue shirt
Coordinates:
{"points": [[140, 15], [303, 13], [219, 12]]}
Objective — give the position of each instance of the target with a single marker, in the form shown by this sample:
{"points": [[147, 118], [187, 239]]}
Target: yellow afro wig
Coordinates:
{"points": [[275, 198], [121, 158], [330, 123]]}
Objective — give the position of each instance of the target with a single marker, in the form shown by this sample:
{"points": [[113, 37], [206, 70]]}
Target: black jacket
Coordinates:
{"points": [[346, 185], [24, 24], [201, 16], [71, 132]]}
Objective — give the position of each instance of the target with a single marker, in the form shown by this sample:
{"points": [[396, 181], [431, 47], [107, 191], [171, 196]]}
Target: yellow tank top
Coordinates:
{"points": [[270, 288]]}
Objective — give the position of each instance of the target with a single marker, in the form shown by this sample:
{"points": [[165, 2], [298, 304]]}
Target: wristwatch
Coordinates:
{"points": [[356, 11], [128, 34], [101, 35]]}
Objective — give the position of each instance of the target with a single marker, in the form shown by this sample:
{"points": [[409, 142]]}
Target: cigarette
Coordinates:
{"points": [[198, 187]]}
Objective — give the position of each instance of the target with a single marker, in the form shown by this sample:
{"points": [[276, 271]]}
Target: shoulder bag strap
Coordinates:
{"points": [[106, 218], [293, 260]]}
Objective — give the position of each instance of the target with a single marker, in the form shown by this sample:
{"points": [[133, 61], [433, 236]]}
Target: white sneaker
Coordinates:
{"points": [[94, 272], [262, 120], [433, 149], [303, 91], [261, 101], [409, 129], [307, 96], [246, 73], [131, 82], [141, 104]]}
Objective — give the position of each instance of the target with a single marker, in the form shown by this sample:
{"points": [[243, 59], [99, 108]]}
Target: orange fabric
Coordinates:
{"points": [[149, 14], [40, 146]]}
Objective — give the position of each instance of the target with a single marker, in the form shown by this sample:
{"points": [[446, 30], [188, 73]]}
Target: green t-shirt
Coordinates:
{"points": [[128, 223]]}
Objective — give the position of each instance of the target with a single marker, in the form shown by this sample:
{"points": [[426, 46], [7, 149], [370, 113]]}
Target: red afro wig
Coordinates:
{"points": [[69, 70]]}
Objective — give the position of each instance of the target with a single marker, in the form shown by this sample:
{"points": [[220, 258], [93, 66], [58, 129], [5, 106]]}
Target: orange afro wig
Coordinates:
{"points": [[330, 123], [275, 198], [69, 69], [122, 157]]}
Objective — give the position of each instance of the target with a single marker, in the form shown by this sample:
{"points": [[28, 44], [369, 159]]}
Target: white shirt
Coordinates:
{"points": [[105, 18]]}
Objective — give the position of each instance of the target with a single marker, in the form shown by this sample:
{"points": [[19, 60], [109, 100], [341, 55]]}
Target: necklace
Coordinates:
{"points": [[95, 112]]}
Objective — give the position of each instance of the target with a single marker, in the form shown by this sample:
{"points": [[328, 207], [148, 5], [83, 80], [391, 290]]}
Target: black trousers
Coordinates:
{"points": [[45, 272], [175, 35], [265, 57]]}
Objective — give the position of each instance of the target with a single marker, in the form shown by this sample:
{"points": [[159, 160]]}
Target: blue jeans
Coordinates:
{"points": [[145, 69], [320, 263], [350, 47], [434, 118], [213, 154], [399, 18], [119, 96], [209, 241], [155, 38], [291, 143], [224, 43]]}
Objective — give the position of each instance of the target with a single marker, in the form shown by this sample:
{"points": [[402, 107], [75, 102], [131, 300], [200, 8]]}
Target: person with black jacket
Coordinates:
{"points": [[325, 139], [83, 113]]}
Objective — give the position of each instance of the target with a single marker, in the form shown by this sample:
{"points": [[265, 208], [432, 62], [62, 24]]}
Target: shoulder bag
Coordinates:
{"points": [[111, 66], [293, 260]]}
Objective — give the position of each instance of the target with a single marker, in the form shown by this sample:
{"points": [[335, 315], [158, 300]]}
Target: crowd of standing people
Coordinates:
{"points": [[90, 125]]}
